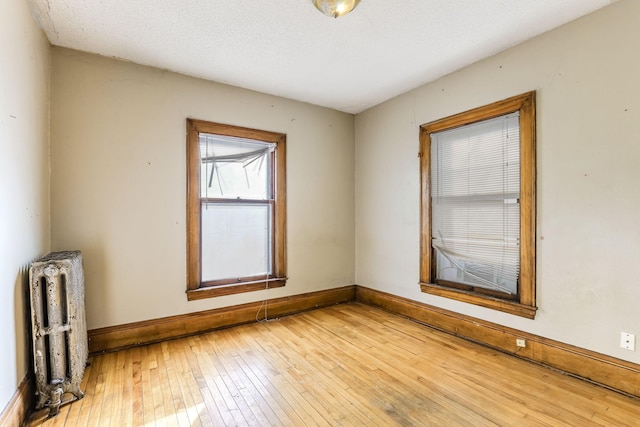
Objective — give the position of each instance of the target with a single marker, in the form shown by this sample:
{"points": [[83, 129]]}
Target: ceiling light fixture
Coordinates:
{"points": [[335, 8]]}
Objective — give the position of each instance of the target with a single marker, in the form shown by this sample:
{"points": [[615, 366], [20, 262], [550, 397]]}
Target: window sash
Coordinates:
{"points": [[236, 237], [235, 168], [237, 241]]}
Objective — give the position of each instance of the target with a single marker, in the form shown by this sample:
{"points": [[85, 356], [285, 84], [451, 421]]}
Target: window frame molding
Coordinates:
{"points": [[196, 289], [525, 305]]}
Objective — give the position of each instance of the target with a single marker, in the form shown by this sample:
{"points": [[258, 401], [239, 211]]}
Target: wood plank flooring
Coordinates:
{"points": [[346, 365]]}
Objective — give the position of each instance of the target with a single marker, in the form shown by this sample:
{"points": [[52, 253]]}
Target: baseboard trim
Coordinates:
{"points": [[150, 331], [607, 371], [16, 411]]}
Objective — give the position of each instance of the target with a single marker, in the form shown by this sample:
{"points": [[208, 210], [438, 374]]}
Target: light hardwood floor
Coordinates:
{"points": [[347, 365]]}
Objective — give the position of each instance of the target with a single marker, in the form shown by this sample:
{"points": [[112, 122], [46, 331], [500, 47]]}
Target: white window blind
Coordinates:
{"points": [[475, 204]]}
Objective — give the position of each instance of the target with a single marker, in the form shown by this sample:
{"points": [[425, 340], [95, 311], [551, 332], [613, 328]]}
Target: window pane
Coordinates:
{"points": [[236, 240], [234, 167], [474, 272]]}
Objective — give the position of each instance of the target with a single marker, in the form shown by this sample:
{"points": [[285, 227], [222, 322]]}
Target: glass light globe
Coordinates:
{"points": [[335, 8]]}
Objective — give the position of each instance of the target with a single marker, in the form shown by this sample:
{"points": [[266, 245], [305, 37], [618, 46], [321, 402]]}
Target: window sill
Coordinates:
{"points": [[510, 307], [221, 290]]}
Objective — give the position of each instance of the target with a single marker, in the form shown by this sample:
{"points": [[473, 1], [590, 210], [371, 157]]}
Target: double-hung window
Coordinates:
{"points": [[235, 209], [478, 207]]}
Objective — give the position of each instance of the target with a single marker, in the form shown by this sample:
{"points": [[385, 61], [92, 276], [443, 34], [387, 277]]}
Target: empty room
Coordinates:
{"points": [[319, 212]]}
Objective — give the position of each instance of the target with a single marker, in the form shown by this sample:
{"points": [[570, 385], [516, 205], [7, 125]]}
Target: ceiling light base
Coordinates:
{"points": [[335, 8]]}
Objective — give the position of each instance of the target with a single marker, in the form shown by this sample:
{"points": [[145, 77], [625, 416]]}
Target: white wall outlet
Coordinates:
{"points": [[628, 341], [520, 342]]}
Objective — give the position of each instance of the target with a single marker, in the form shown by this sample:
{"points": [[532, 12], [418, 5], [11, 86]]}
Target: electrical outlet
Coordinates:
{"points": [[520, 342], [628, 341]]}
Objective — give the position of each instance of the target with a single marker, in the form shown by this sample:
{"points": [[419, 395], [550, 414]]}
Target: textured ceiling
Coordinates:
{"points": [[288, 48]]}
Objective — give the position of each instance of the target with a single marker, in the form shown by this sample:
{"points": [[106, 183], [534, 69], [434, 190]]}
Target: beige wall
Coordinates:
{"points": [[588, 239], [24, 180], [118, 183]]}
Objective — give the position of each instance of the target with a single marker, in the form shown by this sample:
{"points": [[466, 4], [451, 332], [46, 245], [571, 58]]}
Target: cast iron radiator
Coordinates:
{"points": [[60, 350]]}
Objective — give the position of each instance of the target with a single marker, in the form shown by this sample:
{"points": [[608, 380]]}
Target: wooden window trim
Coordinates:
{"points": [[525, 305], [196, 289]]}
